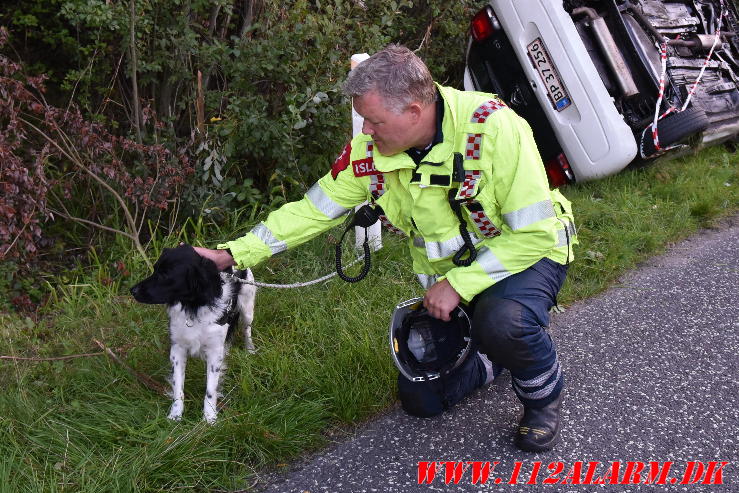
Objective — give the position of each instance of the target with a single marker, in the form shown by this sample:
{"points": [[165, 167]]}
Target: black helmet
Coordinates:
{"points": [[425, 348]]}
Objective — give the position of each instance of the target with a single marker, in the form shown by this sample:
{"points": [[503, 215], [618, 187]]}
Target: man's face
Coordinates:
{"points": [[391, 132]]}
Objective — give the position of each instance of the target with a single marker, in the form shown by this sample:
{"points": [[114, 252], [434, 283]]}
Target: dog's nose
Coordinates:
{"points": [[135, 290]]}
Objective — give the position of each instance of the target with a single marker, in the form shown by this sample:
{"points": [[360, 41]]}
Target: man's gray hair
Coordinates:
{"points": [[398, 76]]}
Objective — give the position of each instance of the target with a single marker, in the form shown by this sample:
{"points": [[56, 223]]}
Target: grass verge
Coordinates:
{"points": [[86, 425]]}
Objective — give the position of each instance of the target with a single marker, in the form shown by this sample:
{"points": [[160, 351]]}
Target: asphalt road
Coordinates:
{"points": [[652, 374]]}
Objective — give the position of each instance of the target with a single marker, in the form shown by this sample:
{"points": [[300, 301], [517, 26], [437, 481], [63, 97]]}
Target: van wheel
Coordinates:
{"points": [[675, 127]]}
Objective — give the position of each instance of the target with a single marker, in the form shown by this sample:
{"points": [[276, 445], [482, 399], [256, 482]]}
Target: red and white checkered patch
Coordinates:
{"points": [[377, 185], [386, 222], [486, 109], [377, 188], [474, 143], [484, 224], [467, 189], [370, 147]]}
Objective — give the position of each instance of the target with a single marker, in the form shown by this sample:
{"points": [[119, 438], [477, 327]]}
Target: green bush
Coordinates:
{"points": [[282, 115], [271, 71]]}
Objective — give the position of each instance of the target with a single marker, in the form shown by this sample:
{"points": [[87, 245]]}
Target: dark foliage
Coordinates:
{"points": [[47, 154]]}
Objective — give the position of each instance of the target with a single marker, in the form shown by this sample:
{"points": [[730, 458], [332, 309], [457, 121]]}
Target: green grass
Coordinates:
{"points": [[624, 219], [322, 361], [89, 425]]}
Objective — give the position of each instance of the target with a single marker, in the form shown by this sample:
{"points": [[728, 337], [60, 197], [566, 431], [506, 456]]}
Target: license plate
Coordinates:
{"points": [[547, 71]]}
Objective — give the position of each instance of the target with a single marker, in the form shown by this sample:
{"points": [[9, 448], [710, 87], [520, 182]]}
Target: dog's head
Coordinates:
{"points": [[180, 276]]}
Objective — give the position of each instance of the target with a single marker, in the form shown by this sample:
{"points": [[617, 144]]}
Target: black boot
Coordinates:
{"points": [[538, 430]]}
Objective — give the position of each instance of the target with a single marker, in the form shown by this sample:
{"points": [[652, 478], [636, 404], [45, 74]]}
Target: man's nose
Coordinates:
{"points": [[367, 128]]}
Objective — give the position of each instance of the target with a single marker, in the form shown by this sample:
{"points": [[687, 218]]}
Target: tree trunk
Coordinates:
{"points": [[134, 76]]}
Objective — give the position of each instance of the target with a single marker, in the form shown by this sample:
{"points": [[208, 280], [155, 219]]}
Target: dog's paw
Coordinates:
{"points": [[210, 410], [250, 348], [175, 412], [209, 416]]}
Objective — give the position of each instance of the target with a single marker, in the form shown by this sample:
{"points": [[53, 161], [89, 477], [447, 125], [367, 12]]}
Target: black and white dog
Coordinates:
{"points": [[204, 307]]}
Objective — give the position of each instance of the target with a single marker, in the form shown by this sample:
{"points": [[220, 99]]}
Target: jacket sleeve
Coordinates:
{"points": [[323, 206], [519, 187]]}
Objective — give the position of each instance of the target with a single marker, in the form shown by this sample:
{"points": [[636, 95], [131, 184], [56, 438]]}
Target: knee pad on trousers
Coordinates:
{"points": [[505, 331], [419, 399], [427, 399]]}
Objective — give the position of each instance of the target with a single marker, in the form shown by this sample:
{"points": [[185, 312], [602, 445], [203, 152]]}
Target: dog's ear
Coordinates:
{"points": [[203, 280], [162, 255]]}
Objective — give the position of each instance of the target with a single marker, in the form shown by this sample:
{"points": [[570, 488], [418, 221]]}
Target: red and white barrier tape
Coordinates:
{"points": [[716, 40], [657, 116]]}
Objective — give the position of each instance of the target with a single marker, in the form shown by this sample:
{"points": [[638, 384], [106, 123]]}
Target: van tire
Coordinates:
{"points": [[674, 128]]}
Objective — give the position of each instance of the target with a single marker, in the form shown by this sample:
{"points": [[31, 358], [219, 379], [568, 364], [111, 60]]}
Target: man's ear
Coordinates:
{"points": [[415, 110]]}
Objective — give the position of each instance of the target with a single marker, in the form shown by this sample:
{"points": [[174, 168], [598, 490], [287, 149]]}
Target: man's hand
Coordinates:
{"points": [[221, 258], [441, 299]]}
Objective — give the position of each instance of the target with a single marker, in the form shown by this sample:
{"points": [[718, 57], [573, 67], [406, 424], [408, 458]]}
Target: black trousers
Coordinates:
{"points": [[509, 321]]}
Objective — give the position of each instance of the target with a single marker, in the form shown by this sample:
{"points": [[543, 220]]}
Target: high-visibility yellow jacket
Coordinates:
{"points": [[513, 218]]}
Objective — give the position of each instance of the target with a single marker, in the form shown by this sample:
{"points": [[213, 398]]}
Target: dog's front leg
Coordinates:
{"points": [[214, 362], [248, 343], [178, 357]]}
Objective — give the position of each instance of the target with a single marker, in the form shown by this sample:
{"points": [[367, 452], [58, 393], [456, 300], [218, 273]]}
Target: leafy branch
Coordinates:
{"points": [[70, 152]]}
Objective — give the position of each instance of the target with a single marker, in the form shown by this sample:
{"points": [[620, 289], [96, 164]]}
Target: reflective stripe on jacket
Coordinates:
{"points": [[513, 218]]}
